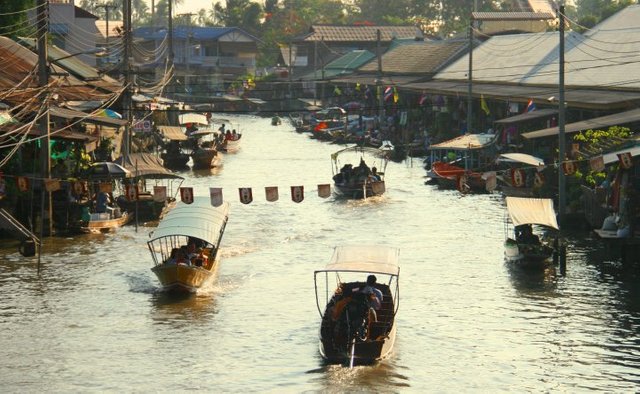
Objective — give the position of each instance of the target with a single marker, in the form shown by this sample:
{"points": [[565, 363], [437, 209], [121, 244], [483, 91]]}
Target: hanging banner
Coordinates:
{"points": [[569, 167], [324, 190], [215, 194], [131, 191], [3, 187], [246, 195], [159, 193], [106, 187], [626, 160], [538, 179], [271, 193], [297, 193], [23, 183], [597, 163], [186, 195], [378, 187], [491, 180], [517, 177], [51, 185]]}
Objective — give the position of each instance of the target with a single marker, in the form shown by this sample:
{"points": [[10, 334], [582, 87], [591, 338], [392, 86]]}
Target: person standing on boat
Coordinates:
{"points": [[375, 295]]}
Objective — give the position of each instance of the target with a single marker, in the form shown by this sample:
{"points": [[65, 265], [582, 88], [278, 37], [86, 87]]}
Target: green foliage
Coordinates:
{"points": [[591, 140], [12, 21]]}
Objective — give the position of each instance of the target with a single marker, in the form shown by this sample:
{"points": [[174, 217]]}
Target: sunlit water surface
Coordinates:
{"points": [[95, 320]]}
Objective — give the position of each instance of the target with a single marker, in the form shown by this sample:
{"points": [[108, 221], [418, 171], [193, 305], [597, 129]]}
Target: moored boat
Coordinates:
{"points": [[358, 321], [526, 248], [104, 222], [360, 181], [184, 247]]}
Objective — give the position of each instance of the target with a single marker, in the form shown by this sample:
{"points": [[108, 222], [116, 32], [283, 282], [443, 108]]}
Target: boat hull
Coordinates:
{"points": [[527, 254], [206, 158], [183, 278], [364, 352], [448, 176], [360, 190], [96, 226]]}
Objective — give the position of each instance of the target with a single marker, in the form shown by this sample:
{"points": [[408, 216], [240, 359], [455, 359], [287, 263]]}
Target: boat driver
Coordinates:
{"points": [[375, 295]]}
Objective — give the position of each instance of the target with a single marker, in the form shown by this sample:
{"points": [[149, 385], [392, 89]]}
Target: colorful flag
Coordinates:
{"points": [[538, 179], [246, 195], [483, 105], [388, 93], [186, 194], [396, 96], [23, 183], [423, 99], [131, 191], [531, 106], [297, 193], [517, 177], [271, 193], [52, 185], [324, 190], [215, 194], [569, 167]]}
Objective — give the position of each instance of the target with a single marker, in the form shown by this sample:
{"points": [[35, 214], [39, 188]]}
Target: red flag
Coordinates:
{"points": [[517, 177], [23, 183], [597, 163], [538, 179], [626, 160], [271, 193], [159, 193], [324, 190], [320, 126], [132, 192], [569, 167]]}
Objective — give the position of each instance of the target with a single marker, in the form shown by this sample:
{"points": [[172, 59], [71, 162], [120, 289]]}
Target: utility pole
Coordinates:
{"points": [[106, 7], [188, 51], [470, 77], [379, 92], [43, 82], [171, 53], [126, 65], [562, 202]]}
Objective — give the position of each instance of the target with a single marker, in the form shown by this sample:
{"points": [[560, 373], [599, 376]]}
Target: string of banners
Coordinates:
{"points": [[518, 176], [245, 194]]}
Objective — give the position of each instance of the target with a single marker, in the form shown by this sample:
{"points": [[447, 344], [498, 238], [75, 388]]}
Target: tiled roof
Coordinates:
{"points": [[336, 33], [418, 58]]}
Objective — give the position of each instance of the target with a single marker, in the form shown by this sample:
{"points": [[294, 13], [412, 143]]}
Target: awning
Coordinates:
{"points": [[521, 158], [198, 220], [65, 134], [71, 114], [146, 165], [173, 133], [466, 142], [528, 116], [618, 119], [531, 211], [193, 118], [365, 258], [576, 98]]}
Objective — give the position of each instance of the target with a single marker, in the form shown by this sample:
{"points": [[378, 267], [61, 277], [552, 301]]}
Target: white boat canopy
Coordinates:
{"points": [[360, 149], [198, 220], [521, 158], [532, 211], [193, 118], [365, 258]]}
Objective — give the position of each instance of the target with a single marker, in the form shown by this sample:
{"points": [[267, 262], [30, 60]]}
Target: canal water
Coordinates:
{"points": [[95, 320]]}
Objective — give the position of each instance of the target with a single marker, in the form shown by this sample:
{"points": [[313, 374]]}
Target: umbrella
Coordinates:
{"points": [[109, 113], [107, 169], [353, 106]]}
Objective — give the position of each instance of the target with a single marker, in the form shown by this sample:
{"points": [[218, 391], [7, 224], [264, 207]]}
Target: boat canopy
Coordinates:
{"points": [[193, 118], [198, 220], [173, 133], [466, 142], [146, 165], [365, 258], [360, 149], [531, 211], [521, 158]]}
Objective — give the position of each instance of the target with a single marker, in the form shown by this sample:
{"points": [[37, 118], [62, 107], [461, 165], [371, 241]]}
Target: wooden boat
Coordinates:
{"points": [[145, 168], [232, 144], [198, 224], [519, 173], [526, 248], [350, 331], [104, 222], [459, 163], [360, 181], [174, 156], [205, 153]]}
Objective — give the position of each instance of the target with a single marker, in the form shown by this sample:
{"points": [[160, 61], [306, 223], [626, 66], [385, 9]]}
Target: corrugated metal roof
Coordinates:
{"points": [[334, 33], [540, 113], [422, 57], [621, 118], [193, 32], [511, 16], [532, 59]]}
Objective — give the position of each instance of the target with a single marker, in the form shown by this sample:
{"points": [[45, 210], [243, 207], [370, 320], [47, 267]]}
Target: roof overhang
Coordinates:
{"points": [[541, 113], [620, 118]]}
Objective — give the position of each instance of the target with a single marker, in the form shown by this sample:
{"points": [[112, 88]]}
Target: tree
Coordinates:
{"points": [[12, 21], [592, 12], [239, 13]]}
